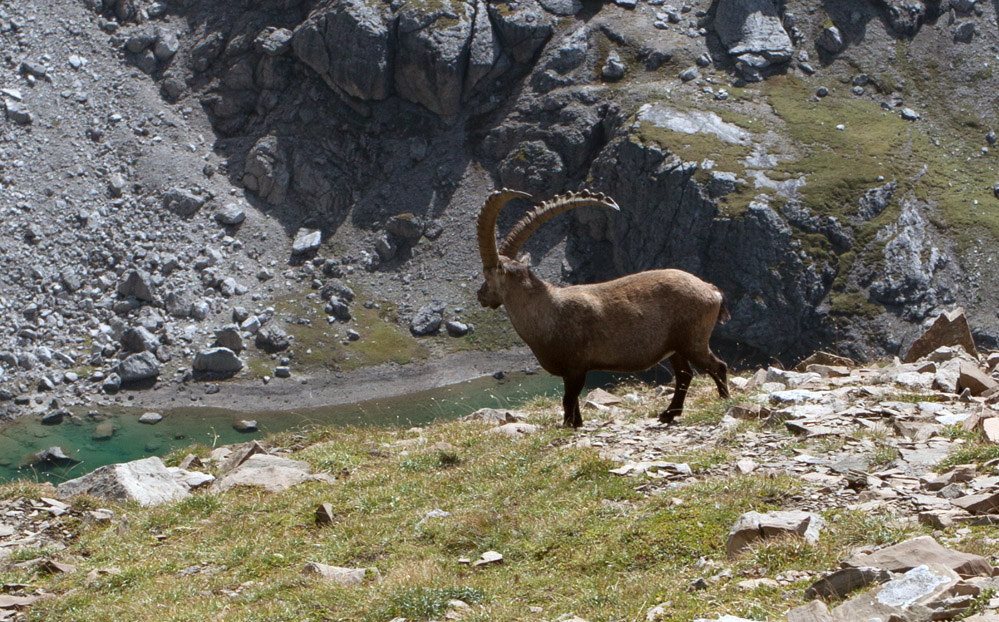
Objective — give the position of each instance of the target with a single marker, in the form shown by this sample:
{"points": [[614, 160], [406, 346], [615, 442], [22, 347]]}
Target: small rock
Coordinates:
{"points": [[19, 113], [965, 32], [907, 555], [229, 337], [217, 360], [137, 367], [949, 329], [230, 214], [840, 583], [104, 431], [183, 202], [150, 418], [831, 40], [515, 430], [54, 417], [272, 473], [349, 577], [324, 514], [54, 455], [613, 69], [489, 557], [427, 321], [974, 379], [136, 284], [245, 425], [272, 338], [306, 241], [145, 481], [689, 74], [406, 227]]}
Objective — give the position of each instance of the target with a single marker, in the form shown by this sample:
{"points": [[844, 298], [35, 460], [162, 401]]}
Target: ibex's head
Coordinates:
{"points": [[500, 267]]}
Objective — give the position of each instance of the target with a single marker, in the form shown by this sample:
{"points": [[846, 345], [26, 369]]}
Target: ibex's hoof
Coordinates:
{"points": [[666, 418]]}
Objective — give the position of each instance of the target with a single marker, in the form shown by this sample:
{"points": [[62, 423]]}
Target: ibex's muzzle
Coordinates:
{"points": [[487, 298]]}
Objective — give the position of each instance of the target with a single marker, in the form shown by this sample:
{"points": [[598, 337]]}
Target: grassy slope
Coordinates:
{"points": [[575, 538]]}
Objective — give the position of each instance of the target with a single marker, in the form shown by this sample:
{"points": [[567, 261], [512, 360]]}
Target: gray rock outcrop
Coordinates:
{"points": [[266, 171], [439, 53], [753, 32], [349, 45], [147, 482]]}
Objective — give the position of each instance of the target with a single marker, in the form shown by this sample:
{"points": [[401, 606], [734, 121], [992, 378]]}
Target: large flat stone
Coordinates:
{"points": [[753, 526], [907, 555], [987, 503], [905, 598], [974, 379], [145, 481], [272, 473]]}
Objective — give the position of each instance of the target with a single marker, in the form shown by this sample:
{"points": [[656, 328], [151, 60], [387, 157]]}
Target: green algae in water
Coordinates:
{"points": [[182, 427]]}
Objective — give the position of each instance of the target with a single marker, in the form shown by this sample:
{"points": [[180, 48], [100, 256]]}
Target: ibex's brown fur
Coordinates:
{"points": [[628, 324]]}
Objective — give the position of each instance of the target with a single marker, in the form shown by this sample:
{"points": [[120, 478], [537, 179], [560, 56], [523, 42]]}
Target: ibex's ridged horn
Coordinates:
{"points": [[546, 211], [487, 224]]}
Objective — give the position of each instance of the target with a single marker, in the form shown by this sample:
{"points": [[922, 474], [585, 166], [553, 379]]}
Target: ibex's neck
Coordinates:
{"points": [[530, 304]]}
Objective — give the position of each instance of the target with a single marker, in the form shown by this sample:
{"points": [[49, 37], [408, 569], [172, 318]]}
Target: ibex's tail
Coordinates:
{"points": [[723, 314]]}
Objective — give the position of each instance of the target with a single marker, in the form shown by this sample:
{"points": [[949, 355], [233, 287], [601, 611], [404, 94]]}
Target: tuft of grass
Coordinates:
{"points": [[884, 454], [975, 452], [850, 528], [426, 603], [775, 555]]}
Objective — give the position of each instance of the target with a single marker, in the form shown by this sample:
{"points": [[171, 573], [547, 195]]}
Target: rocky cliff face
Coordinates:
{"points": [[828, 164], [631, 98]]}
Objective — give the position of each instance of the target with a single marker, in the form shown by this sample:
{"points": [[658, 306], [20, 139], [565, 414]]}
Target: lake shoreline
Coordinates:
{"points": [[320, 388], [210, 412]]}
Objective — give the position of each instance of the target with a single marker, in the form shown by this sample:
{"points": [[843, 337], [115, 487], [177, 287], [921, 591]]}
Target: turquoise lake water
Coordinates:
{"points": [[182, 427]]}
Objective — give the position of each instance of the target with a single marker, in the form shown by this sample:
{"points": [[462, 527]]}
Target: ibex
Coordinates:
{"points": [[625, 325]]}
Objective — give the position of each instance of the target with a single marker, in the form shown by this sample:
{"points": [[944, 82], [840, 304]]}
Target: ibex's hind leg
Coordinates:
{"points": [[716, 368], [570, 401], [683, 373]]}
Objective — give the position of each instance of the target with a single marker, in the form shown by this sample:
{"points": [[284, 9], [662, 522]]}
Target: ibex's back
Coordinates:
{"points": [[628, 324], [642, 318]]}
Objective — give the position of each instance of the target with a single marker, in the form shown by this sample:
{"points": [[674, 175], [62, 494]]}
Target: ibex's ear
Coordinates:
{"points": [[525, 259]]}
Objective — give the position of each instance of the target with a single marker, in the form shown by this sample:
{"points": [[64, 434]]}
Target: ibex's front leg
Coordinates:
{"points": [[570, 401]]}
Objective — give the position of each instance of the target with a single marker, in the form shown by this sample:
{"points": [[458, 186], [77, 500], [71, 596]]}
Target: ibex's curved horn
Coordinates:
{"points": [[487, 224], [545, 212]]}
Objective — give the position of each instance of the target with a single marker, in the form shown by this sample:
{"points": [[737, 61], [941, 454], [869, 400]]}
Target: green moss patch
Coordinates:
{"points": [[317, 344]]}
